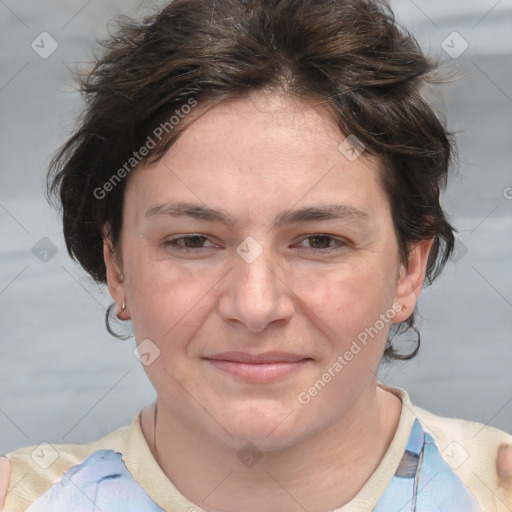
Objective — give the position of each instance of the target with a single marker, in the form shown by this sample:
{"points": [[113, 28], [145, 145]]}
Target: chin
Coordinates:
{"points": [[266, 423]]}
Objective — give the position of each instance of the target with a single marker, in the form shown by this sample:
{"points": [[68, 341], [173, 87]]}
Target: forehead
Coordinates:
{"points": [[283, 122], [259, 152]]}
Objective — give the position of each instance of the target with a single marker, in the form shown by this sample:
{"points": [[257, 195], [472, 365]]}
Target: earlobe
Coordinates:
{"points": [[411, 279], [115, 279]]}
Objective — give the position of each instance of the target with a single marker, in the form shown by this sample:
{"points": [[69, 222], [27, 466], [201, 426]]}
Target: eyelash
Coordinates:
{"points": [[172, 243]]}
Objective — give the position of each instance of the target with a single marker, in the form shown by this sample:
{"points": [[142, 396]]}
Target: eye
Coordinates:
{"points": [[195, 242], [324, 242], [186, 243]]}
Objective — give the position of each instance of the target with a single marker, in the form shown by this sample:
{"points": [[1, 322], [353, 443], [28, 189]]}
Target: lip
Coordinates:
{"points": [[265, 357], [265, 367]]}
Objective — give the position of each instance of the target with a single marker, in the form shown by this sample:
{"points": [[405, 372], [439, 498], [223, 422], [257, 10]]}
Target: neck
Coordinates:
{"points": [[321, 473]]}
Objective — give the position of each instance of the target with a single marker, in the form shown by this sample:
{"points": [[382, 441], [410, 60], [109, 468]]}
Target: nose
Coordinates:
{"points": [[257, 294]]}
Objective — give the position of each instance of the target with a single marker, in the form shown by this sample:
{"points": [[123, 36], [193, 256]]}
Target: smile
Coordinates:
{"points": [[258, 368]]}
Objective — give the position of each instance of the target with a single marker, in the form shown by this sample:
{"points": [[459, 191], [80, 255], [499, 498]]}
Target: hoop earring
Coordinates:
{"points": [[108, 315]]}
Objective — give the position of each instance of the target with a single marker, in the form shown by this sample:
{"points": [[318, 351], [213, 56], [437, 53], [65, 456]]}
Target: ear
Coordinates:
{"points": [[411, 279], [115, 279]]}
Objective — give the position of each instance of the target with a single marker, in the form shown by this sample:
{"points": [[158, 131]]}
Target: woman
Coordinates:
{"points": [[257, 182]]}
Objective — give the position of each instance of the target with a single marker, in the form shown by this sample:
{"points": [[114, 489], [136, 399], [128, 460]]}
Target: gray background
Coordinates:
{"points": [[64, 379]]}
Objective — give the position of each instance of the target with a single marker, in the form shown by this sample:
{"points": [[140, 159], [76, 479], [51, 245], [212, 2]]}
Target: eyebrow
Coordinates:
{"points": [[286, 217]]}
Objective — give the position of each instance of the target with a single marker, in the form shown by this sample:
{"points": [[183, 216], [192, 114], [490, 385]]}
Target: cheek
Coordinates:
{"points": [[159, 305], [351, 303], [168, 303], [352, 298]]}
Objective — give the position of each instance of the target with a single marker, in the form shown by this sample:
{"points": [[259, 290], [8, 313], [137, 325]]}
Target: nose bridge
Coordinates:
{"points": [[257, 278], [256, 296]]}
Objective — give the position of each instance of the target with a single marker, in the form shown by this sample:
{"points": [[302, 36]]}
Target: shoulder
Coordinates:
{"points": [[27, 473], [480, 455]]}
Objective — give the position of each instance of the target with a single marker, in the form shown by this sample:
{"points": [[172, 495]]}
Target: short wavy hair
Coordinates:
{"points": [[349, 54]]}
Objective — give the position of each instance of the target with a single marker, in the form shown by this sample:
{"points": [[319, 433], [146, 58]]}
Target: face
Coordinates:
{"points": [[256, 256]]}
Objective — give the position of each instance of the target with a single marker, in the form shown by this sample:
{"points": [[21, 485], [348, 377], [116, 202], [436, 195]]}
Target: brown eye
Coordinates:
{"points": [[186, 242], [320, 242]]}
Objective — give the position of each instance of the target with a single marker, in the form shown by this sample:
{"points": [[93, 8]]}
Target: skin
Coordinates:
{"points": [[254, 157]]}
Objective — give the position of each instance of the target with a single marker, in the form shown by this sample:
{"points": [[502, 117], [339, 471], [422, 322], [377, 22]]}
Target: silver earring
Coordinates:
{"points": [[123, 307], [108, 318]]}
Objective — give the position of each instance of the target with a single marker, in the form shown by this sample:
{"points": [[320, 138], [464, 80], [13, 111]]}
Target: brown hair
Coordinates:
{"points": [[350, 54]]}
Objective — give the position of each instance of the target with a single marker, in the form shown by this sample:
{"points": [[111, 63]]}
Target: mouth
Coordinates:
{"points": [[265, 367]]}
